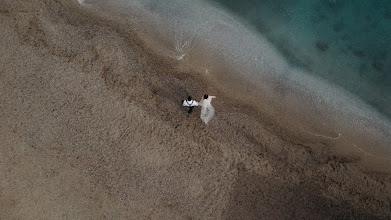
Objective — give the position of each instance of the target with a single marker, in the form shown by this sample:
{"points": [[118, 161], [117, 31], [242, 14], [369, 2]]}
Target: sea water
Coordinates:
{"points": [[347, 43], [321, 65]]}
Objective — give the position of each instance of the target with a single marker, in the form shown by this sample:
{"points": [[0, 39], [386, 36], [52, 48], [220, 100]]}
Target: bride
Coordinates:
{"points": [[207, 110]]}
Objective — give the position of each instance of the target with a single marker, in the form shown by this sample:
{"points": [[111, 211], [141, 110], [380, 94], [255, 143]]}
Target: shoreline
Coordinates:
{"points": [[101, 108], [224, 76]]}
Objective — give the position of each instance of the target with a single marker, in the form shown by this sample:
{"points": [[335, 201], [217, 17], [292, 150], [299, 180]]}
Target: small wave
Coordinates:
{"points": [[180, 57], [323, 136], [373, 155]]}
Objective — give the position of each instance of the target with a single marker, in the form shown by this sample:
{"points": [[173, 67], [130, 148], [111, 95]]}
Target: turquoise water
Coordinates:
{"points": [[347, 43]]}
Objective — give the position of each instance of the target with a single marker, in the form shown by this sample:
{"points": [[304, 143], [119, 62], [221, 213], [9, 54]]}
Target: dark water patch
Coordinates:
{"points": [[339, 26], [359, 53], [378, 65], [323, 46]]}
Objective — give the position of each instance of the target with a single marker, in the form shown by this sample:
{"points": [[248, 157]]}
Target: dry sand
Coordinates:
{"points": [[92, 128]]}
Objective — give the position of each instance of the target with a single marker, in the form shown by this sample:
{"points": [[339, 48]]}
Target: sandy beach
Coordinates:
{"points": [[92, 127]]}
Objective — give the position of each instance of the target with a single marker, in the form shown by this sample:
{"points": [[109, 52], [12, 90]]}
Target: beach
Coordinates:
{"points": [[92, 127]]}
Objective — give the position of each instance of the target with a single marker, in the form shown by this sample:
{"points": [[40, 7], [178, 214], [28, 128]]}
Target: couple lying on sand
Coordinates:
{"points": [[207, 110]]}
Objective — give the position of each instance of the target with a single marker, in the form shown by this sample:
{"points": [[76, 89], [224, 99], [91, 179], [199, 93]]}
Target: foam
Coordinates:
{"points": [[207, 37]]}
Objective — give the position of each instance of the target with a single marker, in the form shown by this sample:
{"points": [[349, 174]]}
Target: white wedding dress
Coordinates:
{"points": [[207, 110]]}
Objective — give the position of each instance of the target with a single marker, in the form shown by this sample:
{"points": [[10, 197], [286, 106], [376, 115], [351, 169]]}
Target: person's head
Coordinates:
{"points": [[189, 98], [206, 96]]}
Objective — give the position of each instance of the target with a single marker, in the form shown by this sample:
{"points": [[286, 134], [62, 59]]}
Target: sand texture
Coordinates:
{"points": [[91, 127]]}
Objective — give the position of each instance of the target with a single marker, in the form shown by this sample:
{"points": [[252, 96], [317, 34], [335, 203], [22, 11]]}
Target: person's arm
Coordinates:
{"points": [[212, 97]]}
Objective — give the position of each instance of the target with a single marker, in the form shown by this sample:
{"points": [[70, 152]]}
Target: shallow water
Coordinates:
{"points": [[344, 42], [301, 61]]}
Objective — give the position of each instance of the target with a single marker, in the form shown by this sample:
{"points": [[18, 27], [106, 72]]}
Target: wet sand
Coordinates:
{"points": [[92, 128]]}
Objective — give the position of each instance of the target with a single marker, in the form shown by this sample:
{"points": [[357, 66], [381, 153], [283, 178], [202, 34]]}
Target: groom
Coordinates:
{"points": [[189, 103]]}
